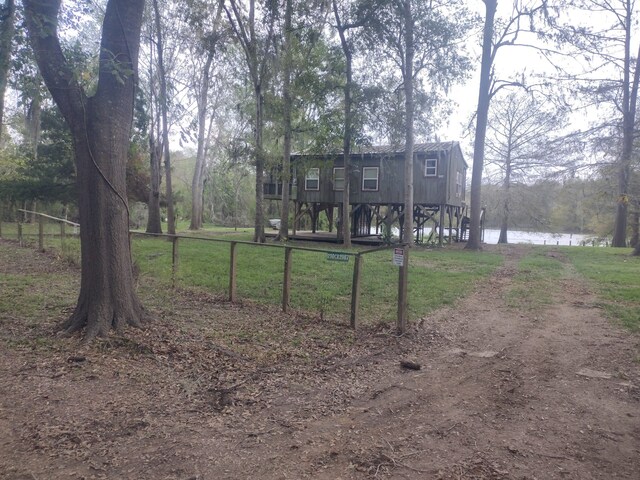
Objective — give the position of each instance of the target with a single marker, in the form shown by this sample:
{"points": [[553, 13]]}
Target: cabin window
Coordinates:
{"points": [[431, 167], [458, 184], [312, 179], [338, 178], [370, 179]]}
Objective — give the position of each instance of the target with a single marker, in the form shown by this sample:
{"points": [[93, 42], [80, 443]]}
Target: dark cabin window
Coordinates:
{"points": [[312, 179], [431, 167], [338, 178], [370, 179]]}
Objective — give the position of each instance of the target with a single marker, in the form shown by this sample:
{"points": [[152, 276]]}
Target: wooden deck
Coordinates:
{"points": [[328, 237]]}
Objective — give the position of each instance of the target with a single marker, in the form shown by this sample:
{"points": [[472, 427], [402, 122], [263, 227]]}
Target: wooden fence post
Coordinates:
{"points": [[20, 234], [0, 227], [41, 233], [286, 286], [62, 233], [232, 273], [403, 287], [174, 260], [355, 291]]}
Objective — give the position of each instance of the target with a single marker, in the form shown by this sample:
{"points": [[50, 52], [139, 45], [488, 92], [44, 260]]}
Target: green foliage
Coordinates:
{"points": [[47, 176], [573, 205], [440, 60]]}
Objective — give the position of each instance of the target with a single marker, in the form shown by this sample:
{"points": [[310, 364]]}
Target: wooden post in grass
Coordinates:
{"points": [[41, 233], [0, 226], [355, 291], [62, 236], [286, 286], [403, 287], [20, 234], [174, 260], [232, 273]]}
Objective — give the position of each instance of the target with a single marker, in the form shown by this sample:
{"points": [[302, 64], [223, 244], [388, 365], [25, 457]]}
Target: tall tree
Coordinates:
{"points": [[257, 44], [345, 29], [164, 108], [283, 232], [522, 142], [154, 218], [100, 127], [609, 54], [7, 25], [628, 109], [197, 182], [209, 34], [493, 39], [482, 115], [422, 41]]}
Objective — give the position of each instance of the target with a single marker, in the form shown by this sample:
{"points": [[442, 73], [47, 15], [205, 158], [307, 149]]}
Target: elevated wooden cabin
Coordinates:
{"points": [[377, 188]]}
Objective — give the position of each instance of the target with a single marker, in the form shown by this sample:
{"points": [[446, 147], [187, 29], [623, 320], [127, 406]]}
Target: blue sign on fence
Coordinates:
{"points": [[337, 257]]}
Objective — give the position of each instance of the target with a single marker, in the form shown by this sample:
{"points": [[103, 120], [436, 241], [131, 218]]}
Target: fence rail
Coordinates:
{"points": [[287, 267], [288, 259]]}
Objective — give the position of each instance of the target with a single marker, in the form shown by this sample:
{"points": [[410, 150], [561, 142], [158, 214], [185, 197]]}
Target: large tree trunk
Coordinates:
{"points": [[7, 26], [106, 291], [197, 183], [100, 127], [475, 236]]}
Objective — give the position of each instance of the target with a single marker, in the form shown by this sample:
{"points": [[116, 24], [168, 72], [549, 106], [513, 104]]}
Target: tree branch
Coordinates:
{"points": [[42, 24]]}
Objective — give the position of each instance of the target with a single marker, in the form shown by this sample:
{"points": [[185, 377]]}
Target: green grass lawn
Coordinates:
{"points": [[530, 289], [319, 286], [616, 277]]}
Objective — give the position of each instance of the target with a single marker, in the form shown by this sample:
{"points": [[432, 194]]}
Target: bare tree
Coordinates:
{"points": [[522, 142], [100, 126], [493, 39]]}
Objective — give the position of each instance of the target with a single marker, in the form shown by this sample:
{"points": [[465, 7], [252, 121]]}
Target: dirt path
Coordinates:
{"points": [[502, 394]]}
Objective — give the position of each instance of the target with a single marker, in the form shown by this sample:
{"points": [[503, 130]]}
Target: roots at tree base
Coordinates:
{"points": [[98, 316]]}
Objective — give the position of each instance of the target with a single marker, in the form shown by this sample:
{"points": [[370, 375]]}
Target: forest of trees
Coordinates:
{"points": [[225, 90]]}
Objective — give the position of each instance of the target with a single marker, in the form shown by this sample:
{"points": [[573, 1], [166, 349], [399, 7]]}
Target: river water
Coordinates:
{"points": [[538, 238]]}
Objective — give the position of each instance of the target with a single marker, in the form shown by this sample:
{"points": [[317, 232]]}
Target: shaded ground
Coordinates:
{"points": [[215, 391]]}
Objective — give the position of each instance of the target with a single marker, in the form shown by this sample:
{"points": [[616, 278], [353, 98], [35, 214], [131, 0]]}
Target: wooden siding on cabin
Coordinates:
{"points": [[433, 190]]}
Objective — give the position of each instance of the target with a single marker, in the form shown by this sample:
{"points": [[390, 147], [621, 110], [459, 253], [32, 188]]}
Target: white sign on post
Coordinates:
{"points": [[398, 257]]}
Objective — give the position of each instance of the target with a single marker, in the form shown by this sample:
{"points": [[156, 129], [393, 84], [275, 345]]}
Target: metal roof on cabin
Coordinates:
{"points": [[429, 147], [417, 148]]}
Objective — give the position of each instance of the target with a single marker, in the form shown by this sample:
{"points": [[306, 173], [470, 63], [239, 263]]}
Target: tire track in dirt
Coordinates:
{"points": [[500, 400]]}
